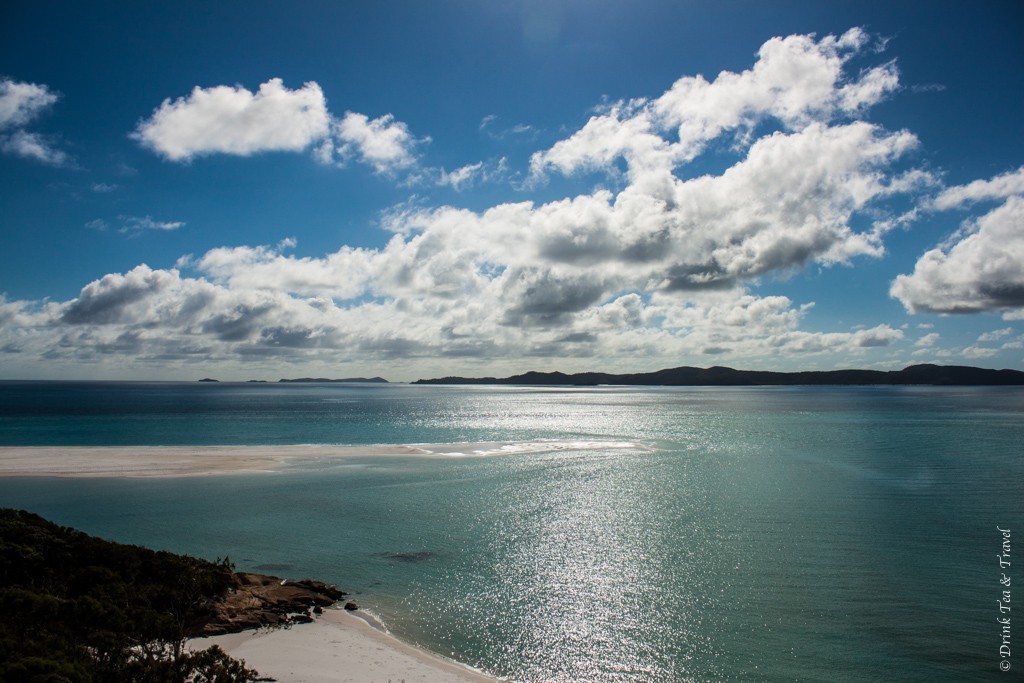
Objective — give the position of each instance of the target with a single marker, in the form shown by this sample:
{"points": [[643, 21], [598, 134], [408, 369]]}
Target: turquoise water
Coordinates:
{"points": [[766, 534]]}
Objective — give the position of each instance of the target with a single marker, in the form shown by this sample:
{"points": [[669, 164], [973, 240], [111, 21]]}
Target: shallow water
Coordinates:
{"points": [[690, 534]]}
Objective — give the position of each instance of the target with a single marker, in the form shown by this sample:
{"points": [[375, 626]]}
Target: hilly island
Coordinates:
{"points": [[934, 375]]}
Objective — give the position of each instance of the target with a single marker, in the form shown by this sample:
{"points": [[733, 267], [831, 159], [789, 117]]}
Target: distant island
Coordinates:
{"points": [[936, 375], [367, 380]]}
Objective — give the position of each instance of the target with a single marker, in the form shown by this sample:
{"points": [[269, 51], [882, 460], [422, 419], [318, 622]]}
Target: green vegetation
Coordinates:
{"points": [[81, 609]]}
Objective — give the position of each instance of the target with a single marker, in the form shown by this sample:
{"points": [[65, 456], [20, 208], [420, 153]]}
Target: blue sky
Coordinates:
{"points": [[415, 189]]}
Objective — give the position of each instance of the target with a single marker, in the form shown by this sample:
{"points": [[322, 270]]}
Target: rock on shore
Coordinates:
{"points": [[258, 600]]}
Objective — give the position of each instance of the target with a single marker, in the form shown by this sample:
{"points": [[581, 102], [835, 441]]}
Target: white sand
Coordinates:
{"points": [[191, 461], [338, 647], [174, 461]]}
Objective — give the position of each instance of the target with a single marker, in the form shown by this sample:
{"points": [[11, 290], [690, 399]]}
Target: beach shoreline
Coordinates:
{"points": [[338, 647]]}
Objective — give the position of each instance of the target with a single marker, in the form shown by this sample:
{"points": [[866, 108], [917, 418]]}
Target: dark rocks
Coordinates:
{"points": [[417, 556], [257, 600], [351, 606]]}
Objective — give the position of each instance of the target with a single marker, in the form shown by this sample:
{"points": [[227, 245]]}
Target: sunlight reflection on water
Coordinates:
{"points": [[641, 535]]}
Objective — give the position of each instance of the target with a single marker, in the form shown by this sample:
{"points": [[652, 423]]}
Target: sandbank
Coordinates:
{"points": [[338, 647], [172, 461], [191, 461]]}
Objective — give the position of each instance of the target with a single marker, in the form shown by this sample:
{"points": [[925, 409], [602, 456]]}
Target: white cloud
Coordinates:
{"points": [[134, 225], [927, 340], [466, 176], [662, 269], [137, 224], [233, 120], [462, 177], [796, 82], [383, 143], [1000, 187], [996, 335], [342, 275], [976, 352], [519, 129], [982, 269], [20, 104], [33, 146]]}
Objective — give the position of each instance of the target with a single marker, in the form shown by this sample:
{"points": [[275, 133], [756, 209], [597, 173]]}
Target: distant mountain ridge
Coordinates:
{"points": [[938, 375]]}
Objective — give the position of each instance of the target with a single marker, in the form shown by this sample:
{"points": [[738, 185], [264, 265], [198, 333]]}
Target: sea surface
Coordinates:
{"points": [[597, 534]]}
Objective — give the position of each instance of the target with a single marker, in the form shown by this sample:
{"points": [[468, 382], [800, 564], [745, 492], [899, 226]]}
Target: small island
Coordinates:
{"points": [[351, 380]]}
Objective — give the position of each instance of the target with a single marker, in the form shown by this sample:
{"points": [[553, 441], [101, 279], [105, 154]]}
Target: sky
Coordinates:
{"points": [[254, 190]]}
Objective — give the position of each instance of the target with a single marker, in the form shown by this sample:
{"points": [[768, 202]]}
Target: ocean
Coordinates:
{"points": [[592, 534]]}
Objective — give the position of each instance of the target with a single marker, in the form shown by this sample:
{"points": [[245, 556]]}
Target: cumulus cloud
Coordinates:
{"points": [[165, 316], [20, 104], [666, 267], [996, 335], [796, 81], [976, 352], [233, 120], [980, 269], [383, 143], [1000, 187]]}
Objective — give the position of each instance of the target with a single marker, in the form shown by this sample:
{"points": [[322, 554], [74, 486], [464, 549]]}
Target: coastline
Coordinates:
{"points": [[338, 646]]}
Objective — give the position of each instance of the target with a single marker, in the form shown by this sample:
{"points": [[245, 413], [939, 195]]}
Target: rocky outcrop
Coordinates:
{"points": [[254, 601]]}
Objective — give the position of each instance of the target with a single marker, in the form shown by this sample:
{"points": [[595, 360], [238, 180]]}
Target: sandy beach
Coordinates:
{"points": [[338, 648]]}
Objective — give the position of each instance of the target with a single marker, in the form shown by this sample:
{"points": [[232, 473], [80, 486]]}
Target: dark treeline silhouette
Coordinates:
{"points": [[937, 375], [84, 610]]}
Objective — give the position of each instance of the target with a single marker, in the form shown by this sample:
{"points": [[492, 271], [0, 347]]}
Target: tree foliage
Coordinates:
{"points": [[80, 609]]}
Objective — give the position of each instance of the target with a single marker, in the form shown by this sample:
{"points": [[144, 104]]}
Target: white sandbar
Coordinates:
{"points": [[173, 461], [338, 647], [191, 461]]}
